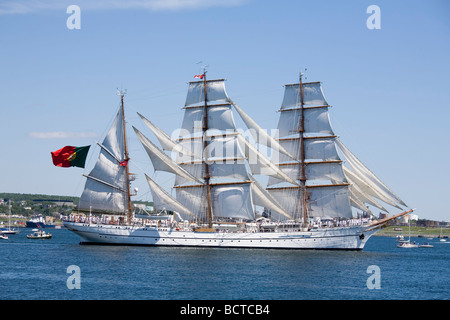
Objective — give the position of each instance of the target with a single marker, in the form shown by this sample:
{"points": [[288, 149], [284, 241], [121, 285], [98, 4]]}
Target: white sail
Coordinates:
{"points": [[232, 201], [163, 200], [114, 141], [321, 149], [194, 146], [291, 170], [228, 200], [260, 135], [217, 170], [329, 202], [106, 184], [324, 171], [195, 169], [223, 155], [193, 198], [290, 198], [316, 120], [99, 197], [312, 95], [192, 123], [160, 160], [318, 148], [263, 198], [358, 199], [215, 91], [356, 202], [167, 143], [220, 119], [331, 171], [224, 148], [259, 164], [362, 190], [366, 175]]}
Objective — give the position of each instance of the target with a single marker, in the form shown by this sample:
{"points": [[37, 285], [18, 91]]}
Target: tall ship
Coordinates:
{"points": [[313, 184]]}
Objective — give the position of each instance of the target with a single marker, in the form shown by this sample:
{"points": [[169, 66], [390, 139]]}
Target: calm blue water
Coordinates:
{"points": [[37, 269]]}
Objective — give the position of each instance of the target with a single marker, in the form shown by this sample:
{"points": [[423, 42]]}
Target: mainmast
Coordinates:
{"points": [[302, 155], [207, 176], [126, 159]]}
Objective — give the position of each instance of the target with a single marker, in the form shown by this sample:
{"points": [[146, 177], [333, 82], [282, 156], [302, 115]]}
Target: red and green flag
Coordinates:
{"points": [[70, 156]]}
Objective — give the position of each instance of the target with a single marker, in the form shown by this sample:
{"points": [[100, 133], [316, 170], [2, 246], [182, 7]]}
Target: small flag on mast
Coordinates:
{"points": [[199, 76], [123, 163]]}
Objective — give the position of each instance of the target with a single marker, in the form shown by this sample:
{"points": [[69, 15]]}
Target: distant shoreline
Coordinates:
{"points": [[426, 232]]}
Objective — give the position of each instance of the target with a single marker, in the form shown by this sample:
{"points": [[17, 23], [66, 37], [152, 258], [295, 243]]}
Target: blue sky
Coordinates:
{"points": [[388, 87]]}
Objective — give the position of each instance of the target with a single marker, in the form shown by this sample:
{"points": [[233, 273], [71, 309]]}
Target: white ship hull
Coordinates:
{"points": [[345, 238]]}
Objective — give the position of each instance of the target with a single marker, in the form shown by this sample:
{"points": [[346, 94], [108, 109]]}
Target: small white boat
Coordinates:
{"points": [[426, 245], [3, 236], [9, 231], [408, 244], [40, 234]]}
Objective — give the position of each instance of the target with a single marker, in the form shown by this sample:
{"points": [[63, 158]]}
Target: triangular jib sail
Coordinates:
{"points": [[162, 200]]}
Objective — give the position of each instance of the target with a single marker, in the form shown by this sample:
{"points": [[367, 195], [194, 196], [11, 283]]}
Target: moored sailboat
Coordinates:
{"points": [[407, 243], [8, 230], [309, 197]]}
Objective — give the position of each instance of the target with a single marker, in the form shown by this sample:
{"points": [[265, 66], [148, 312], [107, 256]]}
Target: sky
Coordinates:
{"points": [[389, 87]]}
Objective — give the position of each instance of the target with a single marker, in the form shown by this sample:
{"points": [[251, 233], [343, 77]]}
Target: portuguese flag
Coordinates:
{"points": [[70, 156]]}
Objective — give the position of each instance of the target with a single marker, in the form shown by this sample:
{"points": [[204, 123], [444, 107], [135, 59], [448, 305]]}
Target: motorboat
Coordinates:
{"points": [[39, 234]]}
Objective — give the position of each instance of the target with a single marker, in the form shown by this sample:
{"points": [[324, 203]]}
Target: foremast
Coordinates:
{"points": [[207, 176], [302, 155], [126, 159]]}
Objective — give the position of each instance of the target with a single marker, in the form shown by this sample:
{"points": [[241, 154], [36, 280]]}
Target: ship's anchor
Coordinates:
{"points": [[361, 236]]}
